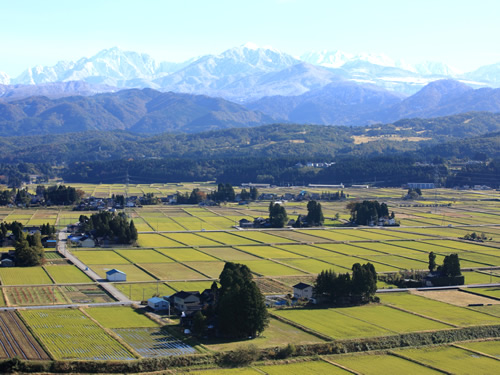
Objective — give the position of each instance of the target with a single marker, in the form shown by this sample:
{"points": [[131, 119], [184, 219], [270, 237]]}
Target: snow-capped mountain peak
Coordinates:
{"points": [[4, 78]]}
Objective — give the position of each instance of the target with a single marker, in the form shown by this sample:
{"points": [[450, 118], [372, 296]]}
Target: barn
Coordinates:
{"points": [[116, 275]]}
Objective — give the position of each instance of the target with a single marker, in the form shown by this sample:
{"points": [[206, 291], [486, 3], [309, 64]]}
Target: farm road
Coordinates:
{"points": [[62, 249]]}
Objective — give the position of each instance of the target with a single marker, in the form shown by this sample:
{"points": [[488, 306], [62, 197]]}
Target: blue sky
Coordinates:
{"points": [[461, 33]]}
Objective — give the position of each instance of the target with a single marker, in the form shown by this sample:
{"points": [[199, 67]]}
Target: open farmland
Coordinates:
{"points": [[34, 296], [120, 317], [441, 311], [16, 341], [333, 324], [69, 334], [154, 342], [67, 274], [24, 276], [452, 359], [304, 368], [378, 364]]}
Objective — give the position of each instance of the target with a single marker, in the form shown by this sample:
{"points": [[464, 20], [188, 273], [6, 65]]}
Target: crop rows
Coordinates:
{"points": [[153, 342], [69, 334]]}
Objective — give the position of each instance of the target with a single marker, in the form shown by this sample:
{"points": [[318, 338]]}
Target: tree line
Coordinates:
{"points": [[106, 224]]}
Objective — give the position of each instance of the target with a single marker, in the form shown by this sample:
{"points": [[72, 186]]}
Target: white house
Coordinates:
{"points": [[303, 290], [157, 304], [116, 275]]}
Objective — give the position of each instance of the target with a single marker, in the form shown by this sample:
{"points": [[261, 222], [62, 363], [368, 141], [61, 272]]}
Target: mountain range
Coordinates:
{"points": [[148, 111], [242, 74]]}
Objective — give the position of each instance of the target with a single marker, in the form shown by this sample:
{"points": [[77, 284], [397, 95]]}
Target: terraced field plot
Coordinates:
{"points": [[34, 295], [144, 256], [458, 297], [69, 334], [478, 277], [67, 274], [211, 269], [24, 276], [228, 254], [329, 322], [156, 240], [227, 238], [270, 268], [309, 265], [86, 294], [398, 262], [379, 364], [187, 255], [438, 310], [154, 342], [303, 368], [392, 319], [306, 250], [263, 237], [268, 252], [490, 292], [172, 271], [16, 340], [347, 249], [337, 235], [120, 317], [191, 239], [300, 235], [144, 291], [199, 286], [91, 257], [488, 347], [453, 360], [133, 272]]}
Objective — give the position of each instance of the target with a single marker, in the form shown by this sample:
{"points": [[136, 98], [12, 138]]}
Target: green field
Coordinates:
{"points": [[172, 271], [270, 268], [143, 256], [33, 296], [67, 274], [227, 238], [120, 317], [303, 368], [156, 240], [24, 276], [333, 324], [268, 252], [379, 364], [133, 272], [69, 334], [144, 291], [186, 255], [453, 360], [438, 310], [91, 257], [488, 347]]}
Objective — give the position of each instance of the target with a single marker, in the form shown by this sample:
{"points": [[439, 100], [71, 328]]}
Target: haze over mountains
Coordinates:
{"points": [[117, 89]]}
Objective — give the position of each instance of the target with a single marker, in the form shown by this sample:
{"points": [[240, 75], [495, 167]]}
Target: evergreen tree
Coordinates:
{"points": [[254, 193], [451, 266], [29, 250], [240, 307], [432, 261], [277, 215], [314, 214], [133, 231]]}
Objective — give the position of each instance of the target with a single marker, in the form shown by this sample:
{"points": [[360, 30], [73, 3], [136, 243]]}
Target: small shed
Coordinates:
{"points": [[51, 243], [303, 290], [157, 304], [87, 242], [116, 275]]}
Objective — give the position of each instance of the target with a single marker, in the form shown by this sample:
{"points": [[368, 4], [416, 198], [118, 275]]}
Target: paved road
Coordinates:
{"points": [[110, 288]]}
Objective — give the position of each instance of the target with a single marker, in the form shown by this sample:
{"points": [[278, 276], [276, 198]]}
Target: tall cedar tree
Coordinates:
{"points": [[277, 215], [240, 306], [314, 214], [432, 261], [29, 250], [451, 266]]}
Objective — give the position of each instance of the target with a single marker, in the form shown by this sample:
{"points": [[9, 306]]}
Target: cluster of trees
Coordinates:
{"points": [[241, 310], [363, 213], [15, 227], [224, 193], [314, 217], [413, 193], [341, 289], [278, 217], [339, 195], [450, 266], [478, 237], [106, 224], [29, 250], [60, 194]]}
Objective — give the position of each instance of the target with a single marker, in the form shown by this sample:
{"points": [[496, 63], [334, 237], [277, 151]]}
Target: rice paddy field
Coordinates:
{"points": [[69, 334], [186, 247]]}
